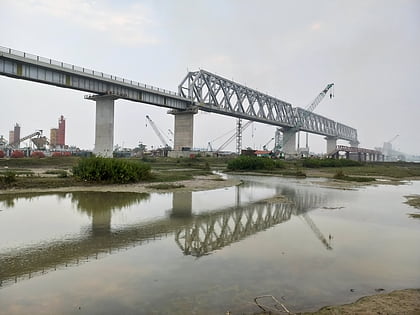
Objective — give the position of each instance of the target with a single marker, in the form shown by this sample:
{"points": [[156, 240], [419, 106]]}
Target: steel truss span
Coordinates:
{"points": [[213, 93]]}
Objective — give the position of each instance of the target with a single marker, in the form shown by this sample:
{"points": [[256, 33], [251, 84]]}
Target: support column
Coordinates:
{"points": [[289, 142], [184, 129], [331, 144], [104, 126]]}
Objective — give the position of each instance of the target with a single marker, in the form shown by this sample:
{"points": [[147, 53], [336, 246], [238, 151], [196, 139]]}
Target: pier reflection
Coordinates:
{"points": [[195, 234]]}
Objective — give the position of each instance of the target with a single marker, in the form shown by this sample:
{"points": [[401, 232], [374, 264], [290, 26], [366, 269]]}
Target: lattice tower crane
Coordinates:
{"points": [[237, 135], [299, 120]]}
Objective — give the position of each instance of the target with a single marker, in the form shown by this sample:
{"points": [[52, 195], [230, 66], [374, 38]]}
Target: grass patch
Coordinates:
{"points": [[59, 173], [341, 176], [64, 161], [414, 215], [164, 186], [317, 163]]}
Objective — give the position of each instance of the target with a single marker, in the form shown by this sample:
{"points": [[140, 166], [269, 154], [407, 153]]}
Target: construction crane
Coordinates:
{"points": [[265, 145], [37, 133], [235, 135], [393, 139], [300, 120], [157, 132]]}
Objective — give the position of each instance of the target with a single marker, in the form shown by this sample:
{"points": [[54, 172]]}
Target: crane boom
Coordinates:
{"points": [[319, 98], [157, 132], [300, 119]]}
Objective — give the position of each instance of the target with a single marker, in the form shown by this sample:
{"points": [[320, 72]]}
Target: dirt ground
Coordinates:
{"points": [[405, 302]]}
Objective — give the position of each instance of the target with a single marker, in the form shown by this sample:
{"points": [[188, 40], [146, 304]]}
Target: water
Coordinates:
{"points": [[205, 252]]}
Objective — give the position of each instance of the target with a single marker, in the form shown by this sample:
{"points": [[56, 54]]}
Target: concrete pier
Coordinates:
{"points": [[184, 129], [289, 142], [331, 144], [104, 126]]}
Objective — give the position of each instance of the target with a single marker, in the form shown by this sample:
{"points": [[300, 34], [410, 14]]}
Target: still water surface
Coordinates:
{"points": [[205, 252]]}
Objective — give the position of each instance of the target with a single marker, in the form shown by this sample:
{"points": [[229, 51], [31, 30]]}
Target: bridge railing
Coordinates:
{"points": [[83, 70]]}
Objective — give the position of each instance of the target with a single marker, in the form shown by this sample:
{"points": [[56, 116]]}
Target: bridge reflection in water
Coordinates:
{"points": [[195, 234]]}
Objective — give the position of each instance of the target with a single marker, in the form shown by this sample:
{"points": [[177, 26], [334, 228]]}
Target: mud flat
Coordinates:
{"points": [[397, 302]]}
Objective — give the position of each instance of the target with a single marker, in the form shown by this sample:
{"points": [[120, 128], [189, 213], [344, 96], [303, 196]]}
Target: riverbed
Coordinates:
{"points": [[205, 252]]}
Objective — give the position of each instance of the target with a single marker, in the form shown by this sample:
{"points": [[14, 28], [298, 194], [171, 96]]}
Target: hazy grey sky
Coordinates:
{"points": [[288, 49]]}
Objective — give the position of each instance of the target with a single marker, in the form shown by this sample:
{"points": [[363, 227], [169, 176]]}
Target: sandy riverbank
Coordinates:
{"points": [[405, 302]]}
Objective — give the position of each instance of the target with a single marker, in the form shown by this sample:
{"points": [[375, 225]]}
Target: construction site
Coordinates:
{"points": [[36, 143], [39, 145]]}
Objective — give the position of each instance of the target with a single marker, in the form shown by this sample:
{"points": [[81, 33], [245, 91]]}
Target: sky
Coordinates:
{"points": [[291, 50]]}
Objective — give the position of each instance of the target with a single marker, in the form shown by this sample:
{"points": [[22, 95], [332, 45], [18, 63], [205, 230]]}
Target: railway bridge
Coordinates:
{"points": [[199, 90]]}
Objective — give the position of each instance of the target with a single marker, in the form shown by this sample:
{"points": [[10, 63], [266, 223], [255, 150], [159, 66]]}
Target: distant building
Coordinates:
{"points": [[58, 135], [16, 135], [11, 136], [61, 133], [53, 137]]}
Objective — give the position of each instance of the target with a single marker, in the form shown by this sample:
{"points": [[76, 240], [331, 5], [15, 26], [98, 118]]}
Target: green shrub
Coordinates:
{"points": [[7, 178], [99, 169], [253, 163]]}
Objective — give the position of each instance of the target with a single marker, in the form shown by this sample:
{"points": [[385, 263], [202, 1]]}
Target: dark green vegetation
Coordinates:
{"points": [[252, 163], [120, 171], [7, 178]]}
